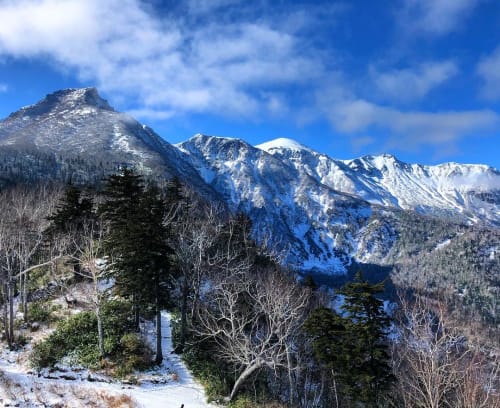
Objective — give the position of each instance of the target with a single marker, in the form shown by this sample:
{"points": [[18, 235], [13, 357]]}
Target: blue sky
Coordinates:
{"points": [[416, 78]]}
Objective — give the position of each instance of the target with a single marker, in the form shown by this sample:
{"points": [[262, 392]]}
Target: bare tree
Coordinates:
{"points": [[434, 364], [195, 236], [254, 320], [22, 225], [479, 386], [89, 253]]}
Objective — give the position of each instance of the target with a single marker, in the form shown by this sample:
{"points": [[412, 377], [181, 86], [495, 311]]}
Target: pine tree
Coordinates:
{"points": [[157, 256], [71, 215], [72, 211], [138, 241], [352, 344], [121, 210]]}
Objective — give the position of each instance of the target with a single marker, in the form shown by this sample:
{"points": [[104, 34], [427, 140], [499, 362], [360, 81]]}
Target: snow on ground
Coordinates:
{"points": [[168, 386], [184, 390], [443, 244]]}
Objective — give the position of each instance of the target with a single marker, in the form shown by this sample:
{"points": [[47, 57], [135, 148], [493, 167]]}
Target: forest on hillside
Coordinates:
{"points": [[254, 332]]}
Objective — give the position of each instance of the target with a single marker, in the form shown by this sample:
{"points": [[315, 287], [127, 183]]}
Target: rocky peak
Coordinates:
{"points": [[64, 100]]}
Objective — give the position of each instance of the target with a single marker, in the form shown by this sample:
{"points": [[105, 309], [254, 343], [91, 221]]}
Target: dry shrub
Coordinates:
{"points": [[11, 387], [117, 401]]}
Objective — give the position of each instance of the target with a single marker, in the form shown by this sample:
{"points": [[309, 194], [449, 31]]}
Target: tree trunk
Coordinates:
{"points": [[11, 312], [247, 372], [100, 331], [159, 354], [185, 294], [25, 279], [196, 295], [77, 271], [135, 310], [290, 377], [335, 393], [6, 313]]}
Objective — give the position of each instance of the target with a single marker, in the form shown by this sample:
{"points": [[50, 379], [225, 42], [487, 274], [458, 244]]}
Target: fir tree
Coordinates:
{"points": [[71, 215], [72, 211], [157, 257], [353, 344], [121, 210], [138, 241]]}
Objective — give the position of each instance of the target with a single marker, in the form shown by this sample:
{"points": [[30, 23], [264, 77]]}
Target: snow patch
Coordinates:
{"points": [[281, 143], [443, 244]]}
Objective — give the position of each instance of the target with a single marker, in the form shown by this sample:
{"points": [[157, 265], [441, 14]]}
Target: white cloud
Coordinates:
{"points": [[434, 17], [151, 114], [3, 88], [410, 84], [489, 70], [409, 130], [165, 64]]}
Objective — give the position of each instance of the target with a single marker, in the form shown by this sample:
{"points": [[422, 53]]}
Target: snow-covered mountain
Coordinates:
{"points": [[324, 213], [471, 192], [76, 134], [310, 223], [317, 212]]}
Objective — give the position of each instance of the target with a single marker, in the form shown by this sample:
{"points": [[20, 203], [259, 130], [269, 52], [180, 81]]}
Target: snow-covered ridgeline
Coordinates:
{"points": [[384, 180]]}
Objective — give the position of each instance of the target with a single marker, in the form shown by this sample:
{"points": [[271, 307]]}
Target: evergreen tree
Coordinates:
{"points": [[353, 344], [71, 215], [138, 241], [72, 211], [122, 212], [157, 257]]}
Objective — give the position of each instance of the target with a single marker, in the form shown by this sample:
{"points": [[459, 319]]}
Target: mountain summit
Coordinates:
{"points": [[80, 101], [75, 134], [281, 143], [468, 191]]}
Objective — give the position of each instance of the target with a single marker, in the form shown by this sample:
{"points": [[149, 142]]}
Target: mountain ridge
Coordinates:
{"points": [[323, 214], [439, 189], [76, 125]]}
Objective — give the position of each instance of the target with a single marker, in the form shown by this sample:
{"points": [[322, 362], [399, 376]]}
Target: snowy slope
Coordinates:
{"points": [[471, 191], [73, 133], [317, 210], [312, 224]]}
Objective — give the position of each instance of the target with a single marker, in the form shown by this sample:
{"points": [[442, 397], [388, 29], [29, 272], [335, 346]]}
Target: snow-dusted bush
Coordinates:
{"points": [[77, 337]]}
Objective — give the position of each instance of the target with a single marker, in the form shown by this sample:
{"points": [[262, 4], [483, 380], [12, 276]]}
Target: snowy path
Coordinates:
{"points": [[183, 391], [21, 389]]}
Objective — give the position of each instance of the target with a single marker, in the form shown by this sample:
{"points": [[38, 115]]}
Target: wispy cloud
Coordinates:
{"points": [[207, 6], [165, 63], [477, 181], [3, 88], [434, 17], [411, 84], [489, 71], [409, 130]]}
